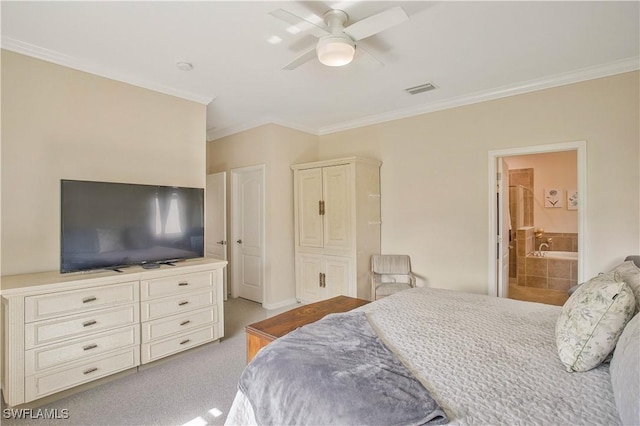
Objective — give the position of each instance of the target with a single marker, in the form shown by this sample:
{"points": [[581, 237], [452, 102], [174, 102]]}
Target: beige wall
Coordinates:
{"points": [[435, 176], [435, 183], [61, 123], [554, 170], [277, 148]]}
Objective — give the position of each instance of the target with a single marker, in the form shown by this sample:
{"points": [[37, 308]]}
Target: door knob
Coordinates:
{"points": [[221, 242], [239, 241]]}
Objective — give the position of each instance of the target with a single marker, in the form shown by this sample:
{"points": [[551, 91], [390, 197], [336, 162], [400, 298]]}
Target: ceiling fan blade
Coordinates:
{"points": [[299, 24], [305, 57], [376, 23]]}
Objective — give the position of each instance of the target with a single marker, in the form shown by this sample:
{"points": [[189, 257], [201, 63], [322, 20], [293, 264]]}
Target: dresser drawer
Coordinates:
{"points": [[160, 308], [76, 326], [161, 348], [178, 323], [39, 385], [51, 356], [76, 301], [162, 287]]}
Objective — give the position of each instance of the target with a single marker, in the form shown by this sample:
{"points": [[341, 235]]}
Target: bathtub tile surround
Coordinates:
{"points": [[559, 241], [557, 270], [551, 273], [525, 244]]}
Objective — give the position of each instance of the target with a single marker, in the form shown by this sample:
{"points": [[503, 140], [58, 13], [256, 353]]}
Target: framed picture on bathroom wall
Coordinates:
{"points": [[572, 199], [553, 198]]}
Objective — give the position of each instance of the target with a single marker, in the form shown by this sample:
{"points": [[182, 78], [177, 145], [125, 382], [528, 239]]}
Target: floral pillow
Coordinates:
{"points": [[591, 321]]}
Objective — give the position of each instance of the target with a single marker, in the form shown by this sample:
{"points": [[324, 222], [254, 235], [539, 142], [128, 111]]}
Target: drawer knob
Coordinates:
{"points": [[184, 342], [88, 323], [183, 303], [183, 283], [90, 370], [185, 322], [89, 299], [89, 347]]}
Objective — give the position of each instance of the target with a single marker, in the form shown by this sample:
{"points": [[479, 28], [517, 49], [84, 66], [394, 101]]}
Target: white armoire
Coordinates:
{"points": [[337, 227]]}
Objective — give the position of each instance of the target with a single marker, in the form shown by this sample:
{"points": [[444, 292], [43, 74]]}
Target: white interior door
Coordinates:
{"points": [[248, 232], [504, 225], [216, 224]]}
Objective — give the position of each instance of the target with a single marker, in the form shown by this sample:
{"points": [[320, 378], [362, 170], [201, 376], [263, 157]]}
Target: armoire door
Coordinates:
{"points": [[337, 271], [337, 197], [310, 223], [321, 277], [308, 268]]}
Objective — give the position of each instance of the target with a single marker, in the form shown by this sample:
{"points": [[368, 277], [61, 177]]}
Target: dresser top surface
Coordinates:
{"points": [[38, 281]]}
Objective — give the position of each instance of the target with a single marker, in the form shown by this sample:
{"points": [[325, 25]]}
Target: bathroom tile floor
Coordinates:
{"points": [[540, 295]]}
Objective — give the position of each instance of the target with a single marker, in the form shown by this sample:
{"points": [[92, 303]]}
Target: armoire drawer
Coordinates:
{"points": [[76, 301], [75, 350], [159, 308], [39, 385], [161, 348], [163, 327], [76, 326], [169, 286]]}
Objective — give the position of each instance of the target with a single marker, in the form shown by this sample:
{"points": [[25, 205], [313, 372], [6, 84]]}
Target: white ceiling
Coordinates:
{"points": [[472, 51]]}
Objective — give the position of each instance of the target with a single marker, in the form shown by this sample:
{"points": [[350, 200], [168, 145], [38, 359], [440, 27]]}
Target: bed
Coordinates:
{"points": [[484, 360]]}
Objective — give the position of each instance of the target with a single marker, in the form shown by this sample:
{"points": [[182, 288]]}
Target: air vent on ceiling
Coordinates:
{"points": [[419, 89]]}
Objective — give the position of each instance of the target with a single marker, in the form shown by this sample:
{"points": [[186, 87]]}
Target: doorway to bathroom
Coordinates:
{"points": [[537, 214]]}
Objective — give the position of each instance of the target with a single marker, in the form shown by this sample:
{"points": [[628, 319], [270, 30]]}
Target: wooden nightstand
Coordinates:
{"points": [[262, 333]]}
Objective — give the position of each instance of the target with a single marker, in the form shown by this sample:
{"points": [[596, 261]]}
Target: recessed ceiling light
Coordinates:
{"points": [[293, 29], [184, 66], [274, 39]]}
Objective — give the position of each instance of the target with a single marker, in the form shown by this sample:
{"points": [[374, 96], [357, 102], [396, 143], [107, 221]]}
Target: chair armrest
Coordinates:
{"points": [[412, 279]]}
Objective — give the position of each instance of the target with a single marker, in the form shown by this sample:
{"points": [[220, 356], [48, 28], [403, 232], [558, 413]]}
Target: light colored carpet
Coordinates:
{"points": [[196, 387]]}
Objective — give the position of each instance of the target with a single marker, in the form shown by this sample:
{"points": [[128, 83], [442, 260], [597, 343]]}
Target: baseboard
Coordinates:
{"points": [[279, 305]]}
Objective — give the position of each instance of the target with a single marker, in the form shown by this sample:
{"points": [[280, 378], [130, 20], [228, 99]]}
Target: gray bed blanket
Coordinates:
{"points": [[335, 371]]}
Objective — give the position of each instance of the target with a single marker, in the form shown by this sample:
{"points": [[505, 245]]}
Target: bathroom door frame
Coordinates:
{"points": [[494, 288]]}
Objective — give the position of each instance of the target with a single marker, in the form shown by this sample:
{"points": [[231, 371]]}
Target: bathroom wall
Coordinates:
{"points": [[553, 170]]}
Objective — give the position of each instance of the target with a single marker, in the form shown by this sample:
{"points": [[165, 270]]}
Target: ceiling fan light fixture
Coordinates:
{"points": [[335, 51]]}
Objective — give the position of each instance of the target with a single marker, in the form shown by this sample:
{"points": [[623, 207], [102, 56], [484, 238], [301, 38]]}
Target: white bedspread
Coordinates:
{"points": [[485, 360]]}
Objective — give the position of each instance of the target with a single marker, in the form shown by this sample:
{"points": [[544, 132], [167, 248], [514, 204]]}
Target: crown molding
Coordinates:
{"points": [[589, 73], [584, 74], [55, 57], [231, 130]]}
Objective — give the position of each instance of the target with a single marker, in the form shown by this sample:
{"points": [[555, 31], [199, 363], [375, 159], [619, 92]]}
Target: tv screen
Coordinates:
{"points": [[110, 225]]}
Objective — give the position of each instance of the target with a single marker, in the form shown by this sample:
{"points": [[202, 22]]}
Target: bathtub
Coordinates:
{"points": [[561, 255], [554, 270], [572, 255]]}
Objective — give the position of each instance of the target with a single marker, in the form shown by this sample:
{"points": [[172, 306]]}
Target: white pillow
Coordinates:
{"points": [[591, 321], [625, 373], [630, 274]]}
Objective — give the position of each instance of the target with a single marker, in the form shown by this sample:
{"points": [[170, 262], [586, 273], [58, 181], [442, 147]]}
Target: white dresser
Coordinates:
{"points": [[64, 330]]}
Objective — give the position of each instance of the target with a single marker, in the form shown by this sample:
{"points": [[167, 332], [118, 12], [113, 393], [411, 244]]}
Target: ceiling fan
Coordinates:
{"points": [[336, 43]]}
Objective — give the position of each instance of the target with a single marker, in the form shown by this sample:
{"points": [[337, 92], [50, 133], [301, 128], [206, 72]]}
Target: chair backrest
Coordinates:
{"points": [[391, 264]]}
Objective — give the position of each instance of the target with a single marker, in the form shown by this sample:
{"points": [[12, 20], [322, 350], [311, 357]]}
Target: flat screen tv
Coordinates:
{"points": [[113, 225]]}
